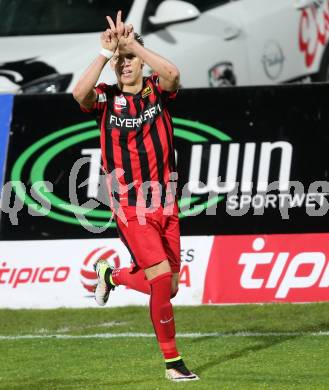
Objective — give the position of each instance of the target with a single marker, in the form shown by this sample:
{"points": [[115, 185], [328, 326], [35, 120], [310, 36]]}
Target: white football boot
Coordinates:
{"points": [[103, 287]]}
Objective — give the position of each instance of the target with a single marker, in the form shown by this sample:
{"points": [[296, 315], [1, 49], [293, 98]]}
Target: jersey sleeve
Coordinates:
{"points": [[100, 103], [166, 95]]}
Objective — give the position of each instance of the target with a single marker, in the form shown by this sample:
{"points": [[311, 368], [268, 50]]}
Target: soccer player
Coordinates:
{"points": [[137, 153]]}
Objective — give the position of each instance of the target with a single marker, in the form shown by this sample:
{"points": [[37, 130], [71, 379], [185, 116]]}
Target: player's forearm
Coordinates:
{"points": [[84, 88], [160, 65]]}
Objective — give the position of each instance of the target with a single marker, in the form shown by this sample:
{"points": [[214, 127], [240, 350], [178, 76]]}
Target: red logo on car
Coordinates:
{"points": [[313, 31]]}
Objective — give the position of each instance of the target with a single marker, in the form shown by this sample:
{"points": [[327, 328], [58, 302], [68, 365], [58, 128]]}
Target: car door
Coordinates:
{"points": [[209, 50], [272, 29], [45, 44]]}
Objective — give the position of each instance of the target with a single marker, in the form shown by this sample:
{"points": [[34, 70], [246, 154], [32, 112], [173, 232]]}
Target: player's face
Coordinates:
{"points": [[128, 68]]}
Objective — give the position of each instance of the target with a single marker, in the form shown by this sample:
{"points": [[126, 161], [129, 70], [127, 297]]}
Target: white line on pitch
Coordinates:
{"points": [[66, 329], [180, 335]]}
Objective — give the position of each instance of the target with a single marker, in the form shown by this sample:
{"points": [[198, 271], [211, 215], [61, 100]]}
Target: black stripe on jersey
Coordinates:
{"points": [[157, 143], [158, 153], [126, 164], [171, 157], [164, 115], [109, 155], [158, 147], [108, 143], [142, 154]]}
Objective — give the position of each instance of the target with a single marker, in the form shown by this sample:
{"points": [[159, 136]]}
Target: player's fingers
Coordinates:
{"points": [[111, 23], [118, 21], [112, 35], [119, 25], [106, 36], [121, 29], [126, 32], [129, 29]]}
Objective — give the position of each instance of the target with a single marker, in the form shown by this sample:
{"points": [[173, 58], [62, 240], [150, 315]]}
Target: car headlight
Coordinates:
{"points": [[49, 84]]}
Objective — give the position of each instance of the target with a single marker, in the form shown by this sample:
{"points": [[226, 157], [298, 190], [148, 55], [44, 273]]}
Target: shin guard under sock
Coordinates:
{"points": [[162, 315]]}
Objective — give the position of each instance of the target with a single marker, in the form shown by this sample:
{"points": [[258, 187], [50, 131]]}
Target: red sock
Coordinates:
{"points": [[162, 315], [137, 280]]}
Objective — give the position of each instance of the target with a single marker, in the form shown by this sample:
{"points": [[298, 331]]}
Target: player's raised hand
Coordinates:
{"points": [[126, 39], [111, 36], [118, 28], [109, 40]]}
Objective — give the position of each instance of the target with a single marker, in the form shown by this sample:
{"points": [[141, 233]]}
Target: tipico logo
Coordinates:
{"points": [[88, 276]]}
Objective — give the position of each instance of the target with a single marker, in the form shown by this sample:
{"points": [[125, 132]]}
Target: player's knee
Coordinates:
{"points": [[157, 270]]}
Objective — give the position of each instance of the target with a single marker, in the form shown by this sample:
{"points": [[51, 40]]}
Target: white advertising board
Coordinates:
{"points": [[59, 273]]}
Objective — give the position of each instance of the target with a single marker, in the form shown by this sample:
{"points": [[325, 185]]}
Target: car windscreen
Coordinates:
{"points": [[38, 17]]}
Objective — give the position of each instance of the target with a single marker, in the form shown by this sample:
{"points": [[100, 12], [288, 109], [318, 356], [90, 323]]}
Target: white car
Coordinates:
{"points": [[46, 44]]}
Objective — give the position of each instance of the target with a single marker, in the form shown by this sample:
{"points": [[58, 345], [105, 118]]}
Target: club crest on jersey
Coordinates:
{"points": [[120, 101], [146, 91]]}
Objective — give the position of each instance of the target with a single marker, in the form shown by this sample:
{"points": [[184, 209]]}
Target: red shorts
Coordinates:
{"points": [[155, 240]]}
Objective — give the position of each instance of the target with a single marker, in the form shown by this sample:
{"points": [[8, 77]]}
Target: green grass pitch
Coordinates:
{"points": [[280, 346]]}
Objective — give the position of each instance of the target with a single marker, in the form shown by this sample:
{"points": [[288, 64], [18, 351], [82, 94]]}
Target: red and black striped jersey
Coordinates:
{"points": [[136, 140]]}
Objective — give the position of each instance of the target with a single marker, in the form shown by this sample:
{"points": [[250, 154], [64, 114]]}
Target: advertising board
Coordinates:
{"points": [[250, 161]]}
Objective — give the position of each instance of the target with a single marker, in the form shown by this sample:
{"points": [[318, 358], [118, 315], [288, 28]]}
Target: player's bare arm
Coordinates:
{"points": [[168, 73], [84, 91]]}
